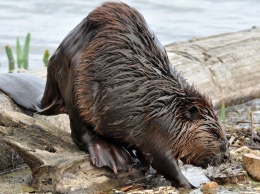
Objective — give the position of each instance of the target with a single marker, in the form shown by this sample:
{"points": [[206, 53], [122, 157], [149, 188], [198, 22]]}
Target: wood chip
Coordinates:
{"points": [[209, 186], [251, 163], [232, 138], [227, 173]]}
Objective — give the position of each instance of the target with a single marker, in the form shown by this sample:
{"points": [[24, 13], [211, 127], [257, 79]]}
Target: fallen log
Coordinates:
{"points": [[9, 159], [55, 161], [226, 67]]}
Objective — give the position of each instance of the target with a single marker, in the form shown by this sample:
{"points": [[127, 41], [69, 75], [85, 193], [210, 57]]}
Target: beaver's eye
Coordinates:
{"points": [[215, 135]]}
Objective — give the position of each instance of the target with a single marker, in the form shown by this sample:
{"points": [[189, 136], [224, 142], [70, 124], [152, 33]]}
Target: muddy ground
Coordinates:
{"points": [[17, 178]]}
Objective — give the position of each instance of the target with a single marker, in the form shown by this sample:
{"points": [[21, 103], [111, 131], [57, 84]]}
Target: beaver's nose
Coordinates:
{"points": [[225, 156]]}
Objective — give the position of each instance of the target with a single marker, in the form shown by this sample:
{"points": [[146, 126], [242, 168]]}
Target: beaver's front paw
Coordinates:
{"points": [[103, 153]]}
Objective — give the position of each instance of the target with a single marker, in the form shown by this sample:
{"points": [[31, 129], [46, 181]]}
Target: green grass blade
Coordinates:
{"points": [[26, 51], [46, 57], [10, 57], [223, 112], [19, 54]]}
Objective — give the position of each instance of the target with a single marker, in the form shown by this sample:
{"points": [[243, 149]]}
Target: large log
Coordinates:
{"points": [[9, 159], [225, 67]]}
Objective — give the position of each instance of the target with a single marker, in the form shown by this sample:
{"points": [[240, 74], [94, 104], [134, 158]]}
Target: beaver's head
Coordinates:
{"points": [[194, 132], [206, 142], [184, 125]]}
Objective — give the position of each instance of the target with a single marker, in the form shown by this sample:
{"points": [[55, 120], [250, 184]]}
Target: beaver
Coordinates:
{"points": [[114, 79]]}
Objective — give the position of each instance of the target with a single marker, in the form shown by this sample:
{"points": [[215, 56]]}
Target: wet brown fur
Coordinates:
{"points": [[114, 79], [132, 95]]}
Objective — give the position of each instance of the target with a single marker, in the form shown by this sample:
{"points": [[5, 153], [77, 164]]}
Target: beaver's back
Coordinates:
{"points": [[126, 69]]}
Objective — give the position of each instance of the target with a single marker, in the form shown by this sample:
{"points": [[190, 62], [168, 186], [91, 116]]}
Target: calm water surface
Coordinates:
{"points": [[49, 21]]}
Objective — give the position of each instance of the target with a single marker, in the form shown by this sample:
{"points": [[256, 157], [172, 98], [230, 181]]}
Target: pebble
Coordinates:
{"points": [[209, 186]]}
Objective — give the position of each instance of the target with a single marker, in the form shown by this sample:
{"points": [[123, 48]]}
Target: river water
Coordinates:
{"points": [[49, 21]]}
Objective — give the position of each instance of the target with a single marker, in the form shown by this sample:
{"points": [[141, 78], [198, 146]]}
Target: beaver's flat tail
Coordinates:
{"points": [[25, 89]]}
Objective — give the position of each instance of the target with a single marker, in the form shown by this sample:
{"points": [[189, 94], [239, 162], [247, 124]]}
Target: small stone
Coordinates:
{"points": [[68, 176], [159, 188], [148, 191], [257, 189], [162, 192], [172, 192], [247, 139], [209, 186]]}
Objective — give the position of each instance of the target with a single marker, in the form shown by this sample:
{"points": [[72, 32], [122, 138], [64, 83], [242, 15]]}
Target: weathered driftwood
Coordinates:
{"points": [[55, 161], [9, 159], [226, 66]]}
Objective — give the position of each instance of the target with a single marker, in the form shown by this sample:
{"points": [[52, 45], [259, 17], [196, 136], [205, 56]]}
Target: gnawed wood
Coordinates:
{"points": [[251, 163]]}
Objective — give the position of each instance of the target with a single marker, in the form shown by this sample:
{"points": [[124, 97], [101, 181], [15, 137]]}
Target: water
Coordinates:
{"points": [[50, 21]]}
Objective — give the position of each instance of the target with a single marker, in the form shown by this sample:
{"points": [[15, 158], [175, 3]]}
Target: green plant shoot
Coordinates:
{"points": [[22, 54], [10, 57], [223, 112], [19, 54], [46, 57], [26, 51]]}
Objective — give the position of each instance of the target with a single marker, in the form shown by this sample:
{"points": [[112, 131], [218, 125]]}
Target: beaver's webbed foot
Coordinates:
{"points": [[104, 153]]}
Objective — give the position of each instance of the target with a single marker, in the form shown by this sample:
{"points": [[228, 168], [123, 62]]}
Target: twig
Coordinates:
{"points": [[252, 127], [23, 166], [127, 188], [232, 138], [250, 147], [245, 122]]}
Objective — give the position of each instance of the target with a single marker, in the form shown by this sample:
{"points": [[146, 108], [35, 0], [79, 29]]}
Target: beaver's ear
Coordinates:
{"points": [[193, 113]]}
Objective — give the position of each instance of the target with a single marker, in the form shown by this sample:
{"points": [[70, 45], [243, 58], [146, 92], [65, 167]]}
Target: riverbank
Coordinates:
{"points": [[214, 64], [171, 21], [20, 181]]}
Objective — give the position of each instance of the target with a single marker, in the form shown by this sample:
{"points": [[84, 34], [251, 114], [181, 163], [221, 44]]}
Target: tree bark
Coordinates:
{"points": [[226, 67]]}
